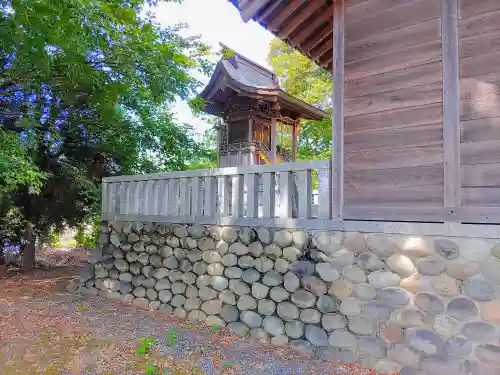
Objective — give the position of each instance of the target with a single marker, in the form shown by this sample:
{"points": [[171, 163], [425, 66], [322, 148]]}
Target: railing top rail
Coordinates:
{"points": [[285, 167]]}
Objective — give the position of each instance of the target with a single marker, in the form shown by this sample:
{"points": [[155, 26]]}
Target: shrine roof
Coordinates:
{"points": [[249, 79]]}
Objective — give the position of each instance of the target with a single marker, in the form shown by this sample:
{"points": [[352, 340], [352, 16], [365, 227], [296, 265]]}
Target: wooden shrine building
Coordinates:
{"points": [[260, 123], [416, 102]]}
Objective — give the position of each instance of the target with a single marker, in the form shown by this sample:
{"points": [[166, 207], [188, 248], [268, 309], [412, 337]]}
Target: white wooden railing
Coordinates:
{"points": [[267, 195]]}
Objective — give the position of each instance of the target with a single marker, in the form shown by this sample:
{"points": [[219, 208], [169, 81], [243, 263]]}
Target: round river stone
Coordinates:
{"points": [[383, 279], [273, 325], [462, 309], [369, 261], [343, 339], [303, 299], [431, 266], [447, 249], [316, 336], [429, 303], [401, 264], [327, 304], [327, 272], [333, 321], [446, 325], [490, 311], [354, 274], [291, 282], [287, 311], [478, 290], [393, 297], [479, 332], [294, 329]]}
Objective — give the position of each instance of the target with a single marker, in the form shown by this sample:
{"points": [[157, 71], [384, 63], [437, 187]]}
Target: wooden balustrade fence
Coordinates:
{"points": [[267, 195]]}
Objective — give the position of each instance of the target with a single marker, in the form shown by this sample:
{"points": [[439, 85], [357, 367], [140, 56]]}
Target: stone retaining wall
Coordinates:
{"points": [[392, 302]]}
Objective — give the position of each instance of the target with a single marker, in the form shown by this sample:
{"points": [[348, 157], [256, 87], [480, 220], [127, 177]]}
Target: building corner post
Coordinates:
{"points": [[338, 59], [451, 104]]}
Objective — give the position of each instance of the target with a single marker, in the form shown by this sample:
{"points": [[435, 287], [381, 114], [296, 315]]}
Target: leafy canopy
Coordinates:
{"points": [[303, 79], [85, 92]]}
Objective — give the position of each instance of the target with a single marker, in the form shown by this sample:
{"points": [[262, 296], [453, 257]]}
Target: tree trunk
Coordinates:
{"points": [[28, 262]]}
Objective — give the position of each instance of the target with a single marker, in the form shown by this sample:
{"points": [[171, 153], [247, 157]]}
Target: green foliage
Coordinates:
{"points": [[207, 158], [246, 332], [227, 364], [87, 235], [17, 168], [11, 221], [214, 329], [197, 105], [81, 307], [145, 346], [151, 369], [85, 92], [227, 53], [51, 237], [172, 336], [302, 78]]}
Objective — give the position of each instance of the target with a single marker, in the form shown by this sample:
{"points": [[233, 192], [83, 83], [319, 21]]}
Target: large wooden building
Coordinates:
{"points": [[416, 102]]}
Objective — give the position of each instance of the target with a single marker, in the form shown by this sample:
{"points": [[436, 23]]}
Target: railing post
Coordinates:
{"points": [[324, 193], [104, 198], [304, 188], [146, 197], [237, 195], [224, 197], [196, 198], [151, 198], [155, 200], [269, 195], [285, 193], [252, 182], [209, 207], [140, 190], [163, 197], [173, 197], [123, 198], [185, 199]]}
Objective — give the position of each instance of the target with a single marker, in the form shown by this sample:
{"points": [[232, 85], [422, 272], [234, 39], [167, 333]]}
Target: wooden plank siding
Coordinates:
{"points": [[479, 40], [416, 104], [393, 135]]}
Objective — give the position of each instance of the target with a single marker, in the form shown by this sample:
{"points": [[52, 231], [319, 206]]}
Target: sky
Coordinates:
{"points": [[215, 21]]}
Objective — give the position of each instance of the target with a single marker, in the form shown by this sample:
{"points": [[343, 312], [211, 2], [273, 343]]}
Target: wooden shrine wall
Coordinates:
{"points": [[479, 37], [393, 107]]}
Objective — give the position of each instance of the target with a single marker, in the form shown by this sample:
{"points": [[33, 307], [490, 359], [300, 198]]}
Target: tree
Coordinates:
{"points": [[302, 78], [207, 157], [85, 92]]}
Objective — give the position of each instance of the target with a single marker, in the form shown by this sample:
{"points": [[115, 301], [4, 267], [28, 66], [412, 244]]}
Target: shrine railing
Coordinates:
{"points": [[265, 195]]}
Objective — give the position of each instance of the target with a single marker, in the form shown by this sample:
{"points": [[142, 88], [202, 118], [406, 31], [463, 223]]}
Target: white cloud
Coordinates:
{"points": [[215, 21]]}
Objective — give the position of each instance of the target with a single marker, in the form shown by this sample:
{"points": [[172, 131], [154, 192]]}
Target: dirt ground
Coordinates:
{"points": [[46, 329]]}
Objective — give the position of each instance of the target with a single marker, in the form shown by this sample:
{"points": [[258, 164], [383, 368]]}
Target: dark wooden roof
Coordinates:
{"points": [[304, 24], [248, 79]]}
